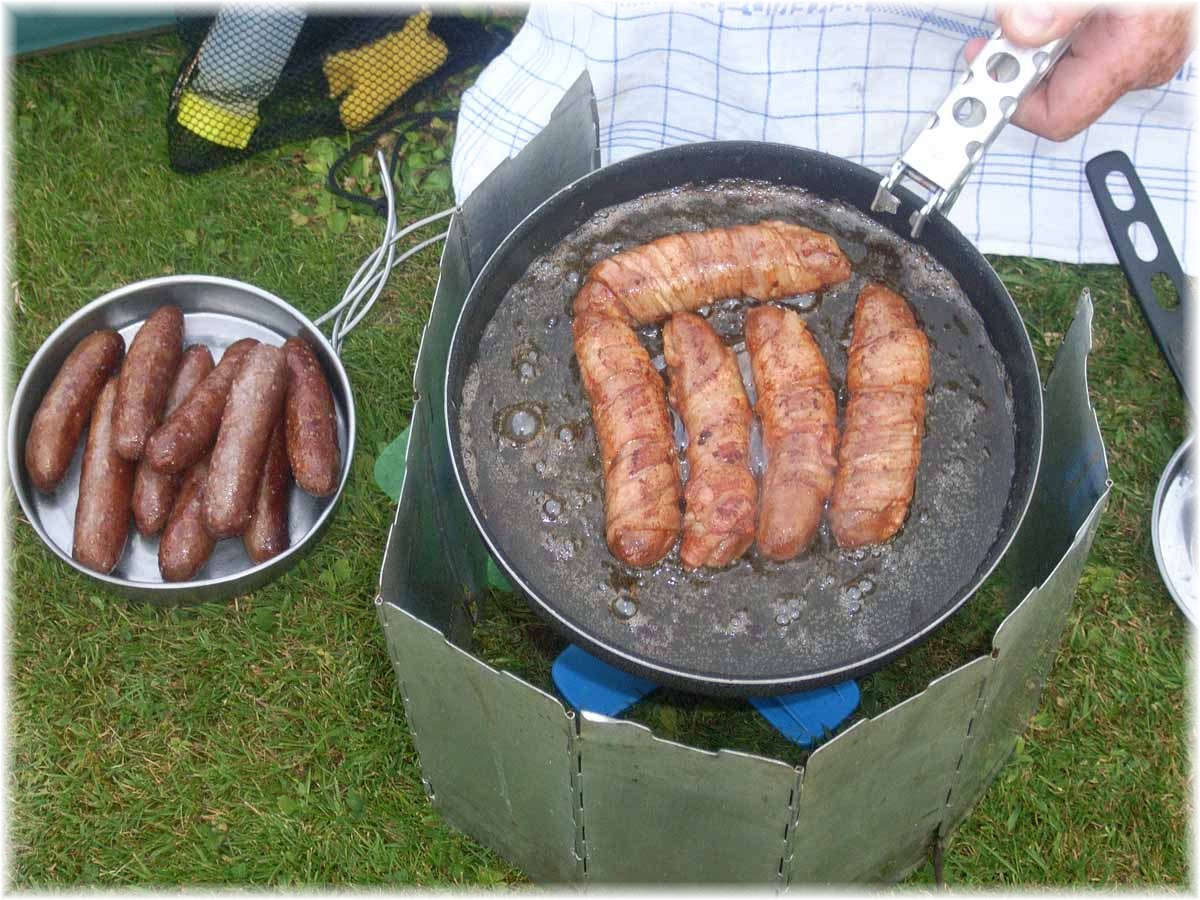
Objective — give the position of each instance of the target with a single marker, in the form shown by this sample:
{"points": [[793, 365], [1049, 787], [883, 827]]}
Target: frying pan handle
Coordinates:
{"points": [[942, 156], [1166, 324]]}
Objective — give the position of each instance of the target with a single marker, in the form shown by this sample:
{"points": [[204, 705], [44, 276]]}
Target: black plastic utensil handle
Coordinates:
{"points": [[1167, 325]]}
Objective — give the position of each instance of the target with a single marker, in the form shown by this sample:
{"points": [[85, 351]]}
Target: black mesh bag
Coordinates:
{"points": [[256, 77]]}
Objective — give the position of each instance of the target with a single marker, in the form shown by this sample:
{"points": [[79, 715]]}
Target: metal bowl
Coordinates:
{"points": [[217, 312], [1171, 529]]}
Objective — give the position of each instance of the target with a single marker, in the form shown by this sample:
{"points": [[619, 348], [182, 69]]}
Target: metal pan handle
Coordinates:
{"points": [[368, 282], [1166, 324], [979, 105]]}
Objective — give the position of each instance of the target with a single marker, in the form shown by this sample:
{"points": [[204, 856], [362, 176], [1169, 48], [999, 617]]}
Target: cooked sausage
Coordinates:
{"points": [[67, 406], [887, 374], [312, 441], [185, 546], [255, 406], [706, 390], [267, 534], [105, 491], [154, 491], [189, 432], [682, 272], [798, 411], [642, 286], [642, 490], [145, 379]]}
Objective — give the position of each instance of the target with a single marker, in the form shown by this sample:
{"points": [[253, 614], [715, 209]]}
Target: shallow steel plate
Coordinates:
{"points": [[217, 312], [1173, 531]]}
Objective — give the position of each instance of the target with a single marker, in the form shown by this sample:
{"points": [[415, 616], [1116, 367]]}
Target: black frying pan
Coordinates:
{"points": [[527, 463]]}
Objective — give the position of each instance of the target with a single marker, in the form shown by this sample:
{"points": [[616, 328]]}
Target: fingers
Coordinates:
{"points": [[1034, 25], [1077, 93], [1115, 51], [974, 45]]}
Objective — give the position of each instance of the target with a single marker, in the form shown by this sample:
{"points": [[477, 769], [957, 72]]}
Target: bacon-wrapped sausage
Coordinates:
{"points": [[799, 425], [887, 375], [642, 490], [682, 272], [643, 285], [706, 389]]}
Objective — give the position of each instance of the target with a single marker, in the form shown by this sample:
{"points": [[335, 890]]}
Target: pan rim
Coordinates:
{"points": [[676, 676], [220, 587], [1180, 458]]}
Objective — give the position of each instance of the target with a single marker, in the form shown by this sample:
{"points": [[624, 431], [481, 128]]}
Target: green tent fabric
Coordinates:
{"points": [[34, 30]]}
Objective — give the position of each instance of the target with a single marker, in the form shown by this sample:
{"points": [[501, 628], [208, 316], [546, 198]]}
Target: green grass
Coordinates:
{"points": [[263, 741]]}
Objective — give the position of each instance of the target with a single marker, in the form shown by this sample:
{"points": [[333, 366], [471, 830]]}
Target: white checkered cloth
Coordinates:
{"points": [[853, 80]]}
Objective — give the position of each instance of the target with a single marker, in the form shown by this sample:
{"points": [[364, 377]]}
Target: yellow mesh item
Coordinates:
{"points": [[372, 77], [214, 122]]}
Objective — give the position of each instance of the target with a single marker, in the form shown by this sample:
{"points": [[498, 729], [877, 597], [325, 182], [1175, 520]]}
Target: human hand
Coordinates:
{"points": [[1119, 49]]}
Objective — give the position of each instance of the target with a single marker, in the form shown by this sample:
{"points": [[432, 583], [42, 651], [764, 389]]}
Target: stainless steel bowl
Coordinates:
{"points": [[217, 312], [1171, 529]]}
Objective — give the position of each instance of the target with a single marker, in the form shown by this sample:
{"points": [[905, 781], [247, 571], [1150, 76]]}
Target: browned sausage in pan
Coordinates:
{"points": [[642, 490], [887, 375], [185, 546], [67, 406], [707, 392], [312, 441], [682, 272], [154, 491], [145, 379], [798, 411], [105, 491], [267, 534], [189, 432], [255, 406], [644, 285]]}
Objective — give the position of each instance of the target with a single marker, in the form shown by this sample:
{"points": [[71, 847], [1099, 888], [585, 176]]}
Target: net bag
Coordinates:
{"points": [[255, 77]]}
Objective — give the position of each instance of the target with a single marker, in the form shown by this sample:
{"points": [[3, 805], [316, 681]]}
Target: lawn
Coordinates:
{"points": [[262, 741]]}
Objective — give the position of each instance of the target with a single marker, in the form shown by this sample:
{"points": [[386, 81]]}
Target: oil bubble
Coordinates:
{"points": [[866, 585], [624, 607], [782, 619], [552, 508], [520, 423], [804, 302]]}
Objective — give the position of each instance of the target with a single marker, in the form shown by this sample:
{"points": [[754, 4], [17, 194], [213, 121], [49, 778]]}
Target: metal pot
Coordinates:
{"points": [[217, 312]]}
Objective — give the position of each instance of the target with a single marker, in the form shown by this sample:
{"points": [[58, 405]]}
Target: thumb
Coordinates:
{"points": [[1037, 24]]}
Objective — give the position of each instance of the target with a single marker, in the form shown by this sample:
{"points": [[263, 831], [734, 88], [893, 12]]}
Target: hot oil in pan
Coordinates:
{"points": [[531, 456]]}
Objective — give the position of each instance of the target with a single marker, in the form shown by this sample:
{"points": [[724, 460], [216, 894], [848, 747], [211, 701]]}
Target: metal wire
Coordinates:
{"points": [[369, 280]]}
